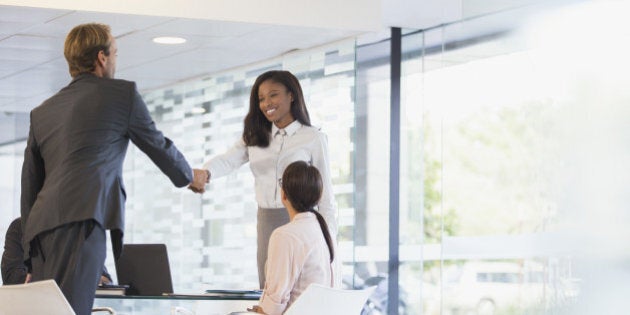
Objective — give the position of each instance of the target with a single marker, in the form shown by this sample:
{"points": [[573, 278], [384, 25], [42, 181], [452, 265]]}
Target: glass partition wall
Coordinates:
{"points": [[482, 217], [476, 149], [511, 165], [475, 196], [13, 132]]}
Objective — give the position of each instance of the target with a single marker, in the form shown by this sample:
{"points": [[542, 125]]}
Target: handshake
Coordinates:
{"points": [[200, 179]]}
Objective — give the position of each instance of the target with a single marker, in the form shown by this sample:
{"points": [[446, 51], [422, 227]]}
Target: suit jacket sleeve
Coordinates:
{"points": [[229, 161], [161, 150], [33, 175]]}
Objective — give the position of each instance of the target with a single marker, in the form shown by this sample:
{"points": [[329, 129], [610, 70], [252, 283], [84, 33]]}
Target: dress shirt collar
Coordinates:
{"points": [[303, 215], [291, 129]]}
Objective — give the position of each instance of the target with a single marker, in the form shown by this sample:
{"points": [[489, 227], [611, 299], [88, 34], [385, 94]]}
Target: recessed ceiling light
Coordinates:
{"points": [[169, 40], [198, 110]]}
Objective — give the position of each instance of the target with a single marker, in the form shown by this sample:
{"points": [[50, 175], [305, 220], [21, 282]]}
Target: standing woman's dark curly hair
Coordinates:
{"points": [[257, 131], [302, 185]]}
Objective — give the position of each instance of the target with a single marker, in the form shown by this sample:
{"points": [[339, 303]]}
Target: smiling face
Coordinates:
{"points": [[274, 100]]}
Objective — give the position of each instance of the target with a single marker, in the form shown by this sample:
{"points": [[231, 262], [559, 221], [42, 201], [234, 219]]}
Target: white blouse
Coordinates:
{"points": [[296, 142], [298, 256]]}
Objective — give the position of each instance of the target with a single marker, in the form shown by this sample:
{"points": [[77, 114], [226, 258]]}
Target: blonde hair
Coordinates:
{"points": [[83, 44]]}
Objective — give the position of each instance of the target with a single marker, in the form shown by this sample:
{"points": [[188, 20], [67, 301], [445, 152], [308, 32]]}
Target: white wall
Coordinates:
{"points": [[359, 15]]}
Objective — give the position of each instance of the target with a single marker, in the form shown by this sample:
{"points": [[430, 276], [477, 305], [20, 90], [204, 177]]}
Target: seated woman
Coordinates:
{"points": [[300, 252]]}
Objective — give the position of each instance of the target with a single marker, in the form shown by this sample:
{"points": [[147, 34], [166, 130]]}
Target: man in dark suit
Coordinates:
{"points": [[72, 188]]}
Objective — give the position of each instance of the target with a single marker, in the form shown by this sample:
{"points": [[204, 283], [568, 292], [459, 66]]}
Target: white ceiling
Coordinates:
{"points": [[32, 66], [221, 35]]}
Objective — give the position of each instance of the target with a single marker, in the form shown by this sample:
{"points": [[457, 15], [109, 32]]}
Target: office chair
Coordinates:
{"points": [[318, 299], [17, 299]]}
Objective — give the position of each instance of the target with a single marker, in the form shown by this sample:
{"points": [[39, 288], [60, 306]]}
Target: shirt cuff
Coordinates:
{"points": [[270, 307]]}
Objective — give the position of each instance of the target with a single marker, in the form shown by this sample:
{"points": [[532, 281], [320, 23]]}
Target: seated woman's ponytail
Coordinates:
{"points": [[302, 185]]}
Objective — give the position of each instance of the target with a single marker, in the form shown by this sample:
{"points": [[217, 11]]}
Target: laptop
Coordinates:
{"points": [[145, 268]]}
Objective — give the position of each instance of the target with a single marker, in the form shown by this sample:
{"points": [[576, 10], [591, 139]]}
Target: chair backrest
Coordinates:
{"points": [[41, 297], [318, 299]]}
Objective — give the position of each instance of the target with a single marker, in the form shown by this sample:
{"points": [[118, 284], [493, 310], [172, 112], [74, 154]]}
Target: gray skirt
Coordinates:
{"points": [[268, 220]]}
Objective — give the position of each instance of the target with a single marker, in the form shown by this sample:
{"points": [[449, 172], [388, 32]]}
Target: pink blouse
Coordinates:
{"points": [[298, 256]]}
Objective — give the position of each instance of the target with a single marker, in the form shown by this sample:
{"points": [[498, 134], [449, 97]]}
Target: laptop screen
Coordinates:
{"points": [[145, 268]]}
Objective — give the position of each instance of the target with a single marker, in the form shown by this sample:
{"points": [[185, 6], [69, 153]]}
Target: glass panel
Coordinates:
{"points": [[491, 121], [495, 287], [491, 124], [11, 157], [419, 196], [371, 156], [13, 132]]}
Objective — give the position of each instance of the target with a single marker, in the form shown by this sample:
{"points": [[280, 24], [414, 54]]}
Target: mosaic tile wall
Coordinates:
{"points": [[211, 239], [11, 157]]}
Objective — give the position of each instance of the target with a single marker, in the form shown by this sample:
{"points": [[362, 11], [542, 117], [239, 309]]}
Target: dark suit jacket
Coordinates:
{"points": [[73, 160]]}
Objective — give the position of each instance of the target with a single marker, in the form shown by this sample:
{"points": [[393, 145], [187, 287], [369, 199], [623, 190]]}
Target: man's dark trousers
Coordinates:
{"points": [[72, 254]]}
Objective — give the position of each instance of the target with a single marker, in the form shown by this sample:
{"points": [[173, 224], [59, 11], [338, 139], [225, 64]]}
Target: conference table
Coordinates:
{"points": [[180, 304]]}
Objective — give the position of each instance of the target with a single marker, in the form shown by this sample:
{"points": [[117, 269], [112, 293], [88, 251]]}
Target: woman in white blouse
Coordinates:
{"points": [[302, 251], [277, 132]]}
